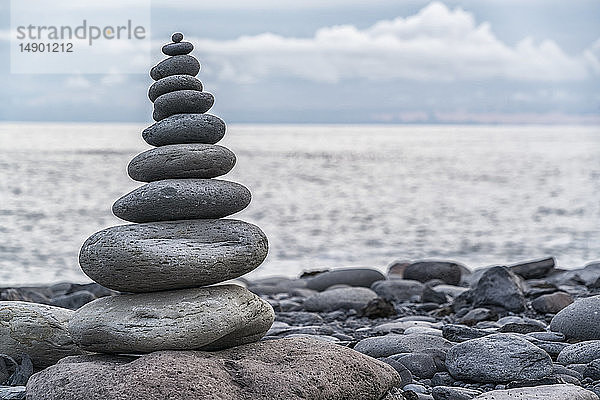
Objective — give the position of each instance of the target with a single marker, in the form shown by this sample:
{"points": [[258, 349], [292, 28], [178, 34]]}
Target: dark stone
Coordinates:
{"points": [[405, 374], [419, 364], [182, 102], [390, 344], [534, 269], [8, 365], [12, 393], [178, 65], [423, 271], [378, 308], [340, 299], [182, 199], [398, 290], [552, 303], [177, 37], [592, 370], [498, 286], [453, 393], [442, 379], [177, 49], [185, 128], [173, 83], [521, 327], [73, 301], [477, 315], [22, 372], [459, 333], [429, 295], [548, 380], [363, 277]]}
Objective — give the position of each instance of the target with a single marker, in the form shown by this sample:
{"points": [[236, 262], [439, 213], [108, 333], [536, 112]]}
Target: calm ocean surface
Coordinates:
{"points": [[326, 196]]}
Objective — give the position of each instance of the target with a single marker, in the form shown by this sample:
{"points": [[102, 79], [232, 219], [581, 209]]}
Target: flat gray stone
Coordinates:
{"points": [[398, 290], [173, 83], [182, 102], [185, 128], [177, 161], [423, 271], [177, 65], [172, 255], [340, 299], [213, 317], [290, 369], [580, 320], [344, 276], [390, 344], [179, 199], [38, 330], [544, 392], [453, 393], [498, 358], [580, 353], [177, 49]]}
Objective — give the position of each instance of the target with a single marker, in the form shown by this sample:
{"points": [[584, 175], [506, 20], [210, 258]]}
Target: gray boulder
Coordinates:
{"points": [[178, 161], [340, 299], [345, 276], [213, 317], [291, 369], [499, 287], [544, 392], [173, 83], [177, 65], [580, 320], [180, 199], [182, 102], [185, 128], [390, 344], [580, 353], [498, 358], [423, 271], [172, 255], [38, 330], [398, 290]]}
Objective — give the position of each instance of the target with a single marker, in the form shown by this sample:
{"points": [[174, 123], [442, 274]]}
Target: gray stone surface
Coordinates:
{"points": [[213, 317], [419, 364], [390, 344], [498, 358], [423, 271], [177, 37], [179, 199], [453, 393], [185, 128], [580, 320], [340, 299], [545, 392], [12, 392], [177, 49], [580, 353], [551, 303], [499, 287], [346, 276], [182, 102], [291, 369], [172, 255], [178, 161], [173, 83], [177, 65], [38, 330], [398, 290], [534, 269]]}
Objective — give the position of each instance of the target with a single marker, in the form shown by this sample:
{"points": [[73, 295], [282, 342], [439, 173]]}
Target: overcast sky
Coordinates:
{"points": [[345, 61]]}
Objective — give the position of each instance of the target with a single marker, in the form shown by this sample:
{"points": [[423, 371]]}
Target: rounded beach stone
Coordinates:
{"points": [[177, 37], [551, 303], [580, 353], [390, 344], [173, 83], [580, 320], [213, 318], [498, 358], [179, 199], [38, 330], [340, 299], [172, 255], [177, 49], [423, 271], [271, 369], [345, 276], [185, 128], [177, 65], [182, 102], [181, 161]]}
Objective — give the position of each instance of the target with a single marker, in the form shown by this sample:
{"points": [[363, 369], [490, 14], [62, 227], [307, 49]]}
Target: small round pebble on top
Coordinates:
{"points": [[177, 37]]}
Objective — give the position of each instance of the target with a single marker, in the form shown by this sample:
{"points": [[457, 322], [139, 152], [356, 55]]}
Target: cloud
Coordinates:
{"points": [[436, 44]]}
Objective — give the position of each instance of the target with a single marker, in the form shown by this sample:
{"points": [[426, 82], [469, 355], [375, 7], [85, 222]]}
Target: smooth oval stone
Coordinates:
{"points": [[182, 102], [38, 330], [177, 65], [172, 255], [177, 37], [214, 317], [579, 320], [177, 49], [181, 161], [185, 128], [177, 199], [173, 83]]}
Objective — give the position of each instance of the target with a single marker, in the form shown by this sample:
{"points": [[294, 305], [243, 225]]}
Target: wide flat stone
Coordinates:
{"points": [[185, 128], [344, 276], [340, 299], [213, 317], [390, 344], [177, 49], [172, 255], [38, 330], [580, 353], [580, 320], [423, 271], [173, 83], [182, 102], [177, 65], [178, 161], [291, 369], [178, 199]]}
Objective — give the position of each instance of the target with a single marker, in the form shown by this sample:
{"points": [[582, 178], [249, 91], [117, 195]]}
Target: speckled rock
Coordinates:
{"points": [[213, 317], [178, 199], [390, 344], [544, 392], [580, 353], [177, 49], [423, 271], [580, 320], [346, 276], [177, 161], [340, 299], [498, 358], [182, 102], [38, 330], [172, 255], [177, 65], [273, 369], [173, 83], [185, 128]]}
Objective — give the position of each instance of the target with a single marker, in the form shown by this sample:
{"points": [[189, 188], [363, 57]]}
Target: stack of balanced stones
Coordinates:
{"points": [[178, 244]]}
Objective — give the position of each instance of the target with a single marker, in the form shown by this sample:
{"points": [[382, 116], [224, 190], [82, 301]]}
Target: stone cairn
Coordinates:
{"points": [[178, 244]]}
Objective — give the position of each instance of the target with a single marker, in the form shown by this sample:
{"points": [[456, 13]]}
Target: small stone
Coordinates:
{"points": [[547, 336], [182, 102], [580, 353], [477, 315], [181, 199], [442, 379], [378, 308], [429, 295], [363, 277], [534, 269], [177, 37], [398, 290], [185, 128], [423, 271], [173, 83], [404, 373], [177, 49], [181, 161], [340, 299], [390, 344], [213, 317], [453, 393], [419, 364], [74, 300], [459, 333], [551, 303], [177, 65], [580, 320], [545, 392], [499, 287], [592, 370]]}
